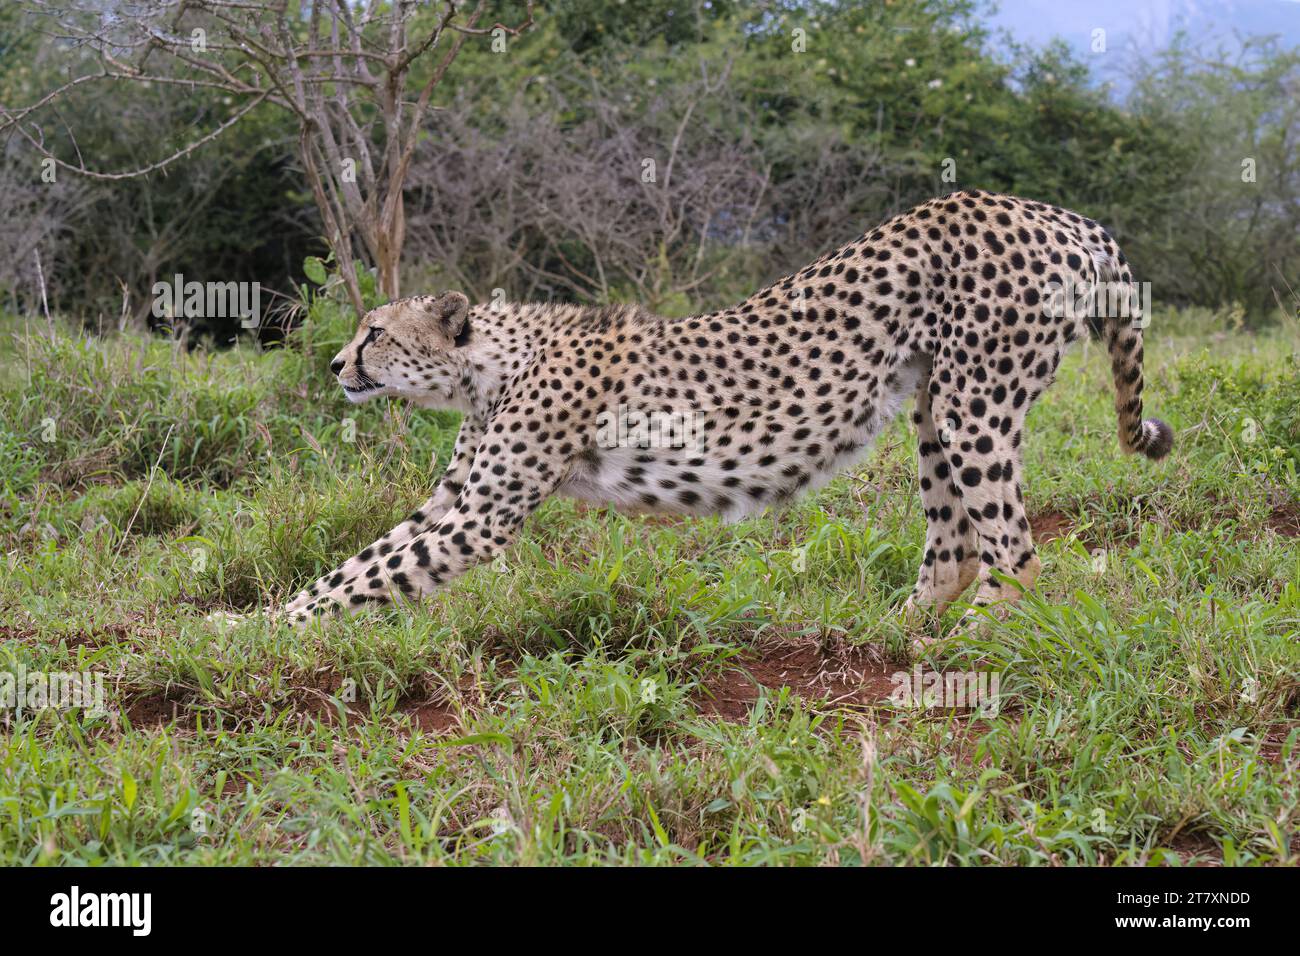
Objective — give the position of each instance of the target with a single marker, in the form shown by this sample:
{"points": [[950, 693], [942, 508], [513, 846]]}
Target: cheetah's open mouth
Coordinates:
{"points": [[363, 388], [360, 392]]}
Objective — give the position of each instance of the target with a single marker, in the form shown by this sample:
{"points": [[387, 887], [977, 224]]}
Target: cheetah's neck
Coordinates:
{"points": [[498, 348]]}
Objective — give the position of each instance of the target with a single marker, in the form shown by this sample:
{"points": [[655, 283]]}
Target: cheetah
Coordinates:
{"points": [[950, 302]]}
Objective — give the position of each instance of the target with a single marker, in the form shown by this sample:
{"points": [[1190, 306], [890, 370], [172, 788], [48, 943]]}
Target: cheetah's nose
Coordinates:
{"points": [[336, 366]]}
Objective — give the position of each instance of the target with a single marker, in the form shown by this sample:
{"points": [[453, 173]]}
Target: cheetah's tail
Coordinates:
{"points": [[1123, 332]]}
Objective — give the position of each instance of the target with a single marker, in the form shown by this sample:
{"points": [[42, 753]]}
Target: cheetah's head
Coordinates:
{"points": [[407, 349]]}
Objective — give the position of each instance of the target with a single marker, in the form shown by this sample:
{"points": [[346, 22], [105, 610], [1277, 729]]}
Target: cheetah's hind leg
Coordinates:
{"points": [[950, 562]]}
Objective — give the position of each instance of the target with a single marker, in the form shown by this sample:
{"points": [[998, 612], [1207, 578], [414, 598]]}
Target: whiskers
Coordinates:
{"points": [[364, 382]]}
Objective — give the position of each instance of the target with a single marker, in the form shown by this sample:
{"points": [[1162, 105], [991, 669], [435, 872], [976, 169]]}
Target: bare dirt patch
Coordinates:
{"points": [[1195, 849], [1285, 520], [432, 717], [123, 632], [1049, 526], [1273, 739], [154, 710], [844, 677], [320, 703], [9, 632]]}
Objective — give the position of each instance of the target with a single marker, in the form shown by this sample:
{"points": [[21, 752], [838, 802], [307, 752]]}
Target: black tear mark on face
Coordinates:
{"points": [[372, 334]]}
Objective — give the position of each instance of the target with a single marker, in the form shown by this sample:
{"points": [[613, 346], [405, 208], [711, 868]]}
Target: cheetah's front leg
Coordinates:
{"points": [[505, 485], [423, 519]]}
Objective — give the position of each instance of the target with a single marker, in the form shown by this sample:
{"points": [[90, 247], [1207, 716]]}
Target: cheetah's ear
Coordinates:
{"points": [[451, 310]]}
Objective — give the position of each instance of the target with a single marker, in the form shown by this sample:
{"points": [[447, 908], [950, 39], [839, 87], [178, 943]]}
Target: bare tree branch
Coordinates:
{"points": [[333, 67]]}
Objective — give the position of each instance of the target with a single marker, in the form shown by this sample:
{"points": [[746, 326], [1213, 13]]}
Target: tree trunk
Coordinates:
{"points": [[389, 241]]}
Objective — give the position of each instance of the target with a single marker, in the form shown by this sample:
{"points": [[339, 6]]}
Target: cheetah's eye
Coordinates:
{"points": [[373, 334]]}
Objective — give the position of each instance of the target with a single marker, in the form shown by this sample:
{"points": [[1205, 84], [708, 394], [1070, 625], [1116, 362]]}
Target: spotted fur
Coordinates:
{"points": [[945, 302]]}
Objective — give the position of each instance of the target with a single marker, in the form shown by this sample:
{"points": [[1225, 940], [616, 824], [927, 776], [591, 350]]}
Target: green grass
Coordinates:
{"points": [[553, 709]]}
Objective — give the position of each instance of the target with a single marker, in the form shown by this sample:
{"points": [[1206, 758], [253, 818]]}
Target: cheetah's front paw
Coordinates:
{"points": [[228, 619], [921, 623]]}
